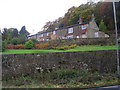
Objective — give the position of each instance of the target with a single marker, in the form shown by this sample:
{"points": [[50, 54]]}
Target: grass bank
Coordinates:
{"points": [[78, 48], [63, 78]]}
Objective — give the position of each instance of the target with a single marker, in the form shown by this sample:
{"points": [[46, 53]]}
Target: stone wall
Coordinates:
{"points": [[15, 65], [84, 41]]}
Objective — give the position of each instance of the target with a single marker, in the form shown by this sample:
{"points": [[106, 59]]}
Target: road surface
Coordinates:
{"points": [[106, 88]]}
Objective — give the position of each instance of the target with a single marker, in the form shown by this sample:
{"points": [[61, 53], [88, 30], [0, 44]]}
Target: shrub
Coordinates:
{"points": [[34, 41], [42, 45], [19, 46], [118, 40], [14, 41], [65, 47], [63, 76], [102, 26], [29, 44], [10, 46]]}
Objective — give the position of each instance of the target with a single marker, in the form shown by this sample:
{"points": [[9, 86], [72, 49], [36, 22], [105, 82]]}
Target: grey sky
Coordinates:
{"points": [[33, 13]]}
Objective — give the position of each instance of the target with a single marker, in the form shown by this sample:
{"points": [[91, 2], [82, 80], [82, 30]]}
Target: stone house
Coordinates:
{"points": [[81, 30]]}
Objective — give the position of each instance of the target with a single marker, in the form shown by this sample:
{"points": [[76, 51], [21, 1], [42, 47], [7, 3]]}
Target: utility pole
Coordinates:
{"points": [[117, 46]]}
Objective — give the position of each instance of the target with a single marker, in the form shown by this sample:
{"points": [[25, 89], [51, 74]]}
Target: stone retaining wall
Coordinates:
{"points": [[24, 64], [84, 41]]}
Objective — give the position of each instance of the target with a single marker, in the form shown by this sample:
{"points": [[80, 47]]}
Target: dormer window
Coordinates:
{"points": [[70, 30]]}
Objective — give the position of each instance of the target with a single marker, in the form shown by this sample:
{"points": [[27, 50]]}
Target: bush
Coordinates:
{"points": [[118, 40], [19, 46], [42, 46], [10, 46], [34, 41], [14, 41], [65, 47], [102, 26], [29, 44]]}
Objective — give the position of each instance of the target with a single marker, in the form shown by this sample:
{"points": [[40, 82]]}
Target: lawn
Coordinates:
{"points": [[78, 48]]}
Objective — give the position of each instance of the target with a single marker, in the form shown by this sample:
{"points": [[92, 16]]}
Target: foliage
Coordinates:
{"points": [[29, 44], [102, 10], [12, 36], [34, 41], [42, 46], [3, 44], [15, 41], [65, 47], [10, 46], [23, 31], [18, 46], [15, 33], [102, 26], [119, 40], [63, 78]]}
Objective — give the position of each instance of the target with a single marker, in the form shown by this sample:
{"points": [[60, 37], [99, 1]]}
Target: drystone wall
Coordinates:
{"points": [[14, 65]]}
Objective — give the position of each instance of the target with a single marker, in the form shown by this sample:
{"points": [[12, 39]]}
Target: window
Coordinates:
{"points": [[78, 37], [56, 28], [84, 36], [54, 32], [47, 34], [84, 27], [71, 36], [70, 30], [47, 39], [96, 34], [41, 35]]}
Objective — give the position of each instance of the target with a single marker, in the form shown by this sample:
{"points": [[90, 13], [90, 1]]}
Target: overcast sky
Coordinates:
{"points": [[33, 13]]}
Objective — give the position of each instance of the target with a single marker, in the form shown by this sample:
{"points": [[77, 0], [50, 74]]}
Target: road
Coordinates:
{"points": [[106, 88]]}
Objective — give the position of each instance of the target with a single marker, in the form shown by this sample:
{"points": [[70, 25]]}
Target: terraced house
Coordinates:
{"points": [[81, 30]]}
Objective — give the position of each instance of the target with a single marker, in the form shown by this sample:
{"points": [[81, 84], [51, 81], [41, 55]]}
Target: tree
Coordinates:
{"points": [[106, 13], [4, 34], [23, 35], [15, 33], [7, 35], [102, 26], [15, 41], [3, 46], [23, 31], [29, 44]]}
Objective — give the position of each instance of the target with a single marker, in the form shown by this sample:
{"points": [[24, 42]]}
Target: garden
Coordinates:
{"points": [[31, 47]]}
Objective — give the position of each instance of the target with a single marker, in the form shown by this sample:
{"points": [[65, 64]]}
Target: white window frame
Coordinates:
{"points": [[77, 36], [54, 32], [96, 34], [84, 27], [84, 36], [70, 30], [47, 34], [47, 39], [41, 35]]}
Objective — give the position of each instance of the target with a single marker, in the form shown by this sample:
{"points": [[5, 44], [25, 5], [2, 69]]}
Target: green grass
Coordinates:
{"points": [[78, 48]]}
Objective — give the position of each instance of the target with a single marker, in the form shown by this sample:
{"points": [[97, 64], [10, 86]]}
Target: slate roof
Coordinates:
{"points": [[59, 29]]}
